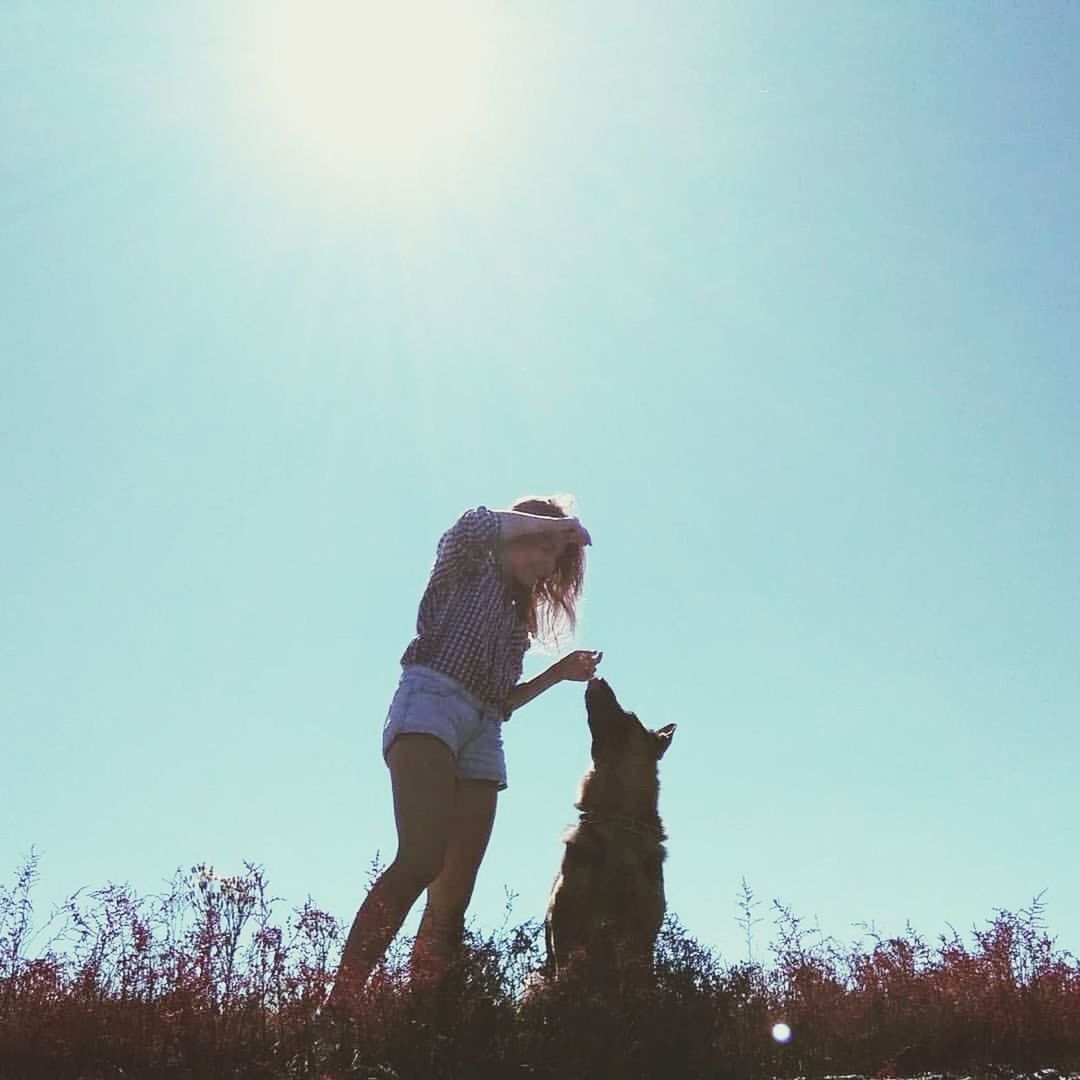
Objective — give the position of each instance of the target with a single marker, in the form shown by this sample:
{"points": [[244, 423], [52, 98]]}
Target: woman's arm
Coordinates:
{"points": [[577, 666], [514, 523]]}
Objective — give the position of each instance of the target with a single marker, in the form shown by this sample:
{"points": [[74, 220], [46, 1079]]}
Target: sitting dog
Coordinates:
{"points": [[607, 903]]}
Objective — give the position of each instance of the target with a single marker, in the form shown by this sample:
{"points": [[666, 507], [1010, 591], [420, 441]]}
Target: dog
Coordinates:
{"points": [[608, 902]]}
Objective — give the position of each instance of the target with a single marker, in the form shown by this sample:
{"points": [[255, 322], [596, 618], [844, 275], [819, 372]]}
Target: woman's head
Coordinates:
{"points": [[549, 572]]}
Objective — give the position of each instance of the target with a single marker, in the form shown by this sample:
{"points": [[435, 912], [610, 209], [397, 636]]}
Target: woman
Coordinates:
{"points": [[501, 580]]}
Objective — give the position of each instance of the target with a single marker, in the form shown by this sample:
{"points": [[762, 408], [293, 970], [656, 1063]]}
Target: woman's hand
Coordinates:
{"points": [[515, 523], [577, 666], [568, 530], [580, 535]]}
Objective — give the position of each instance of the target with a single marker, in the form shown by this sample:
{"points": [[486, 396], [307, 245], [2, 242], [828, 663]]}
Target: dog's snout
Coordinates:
{"points": [[599, 697]]}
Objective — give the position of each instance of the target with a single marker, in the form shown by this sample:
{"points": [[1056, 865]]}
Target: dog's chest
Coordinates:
{"points": [[615, 857]]}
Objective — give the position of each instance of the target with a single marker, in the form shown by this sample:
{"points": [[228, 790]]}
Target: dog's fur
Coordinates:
{"points": [[607, 903]]}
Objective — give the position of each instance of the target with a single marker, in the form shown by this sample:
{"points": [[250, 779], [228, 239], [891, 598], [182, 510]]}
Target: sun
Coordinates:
{"points": [[391, 94]]}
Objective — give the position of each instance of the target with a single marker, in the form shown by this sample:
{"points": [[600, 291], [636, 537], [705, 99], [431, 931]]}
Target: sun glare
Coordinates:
{"points": [[389, 94]]}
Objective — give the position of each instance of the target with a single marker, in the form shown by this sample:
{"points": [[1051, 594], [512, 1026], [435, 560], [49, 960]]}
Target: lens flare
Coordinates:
{"points": [[781, 1033]]}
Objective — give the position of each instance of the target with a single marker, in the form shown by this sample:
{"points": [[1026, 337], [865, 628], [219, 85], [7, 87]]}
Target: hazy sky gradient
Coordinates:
{"points": [[785, 294]]}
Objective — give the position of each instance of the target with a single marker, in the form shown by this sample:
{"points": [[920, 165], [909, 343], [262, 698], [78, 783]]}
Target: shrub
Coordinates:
{"points": [[205, 980]]}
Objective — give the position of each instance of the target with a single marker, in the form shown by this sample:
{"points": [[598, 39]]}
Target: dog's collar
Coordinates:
{"points": [[642, 828]]}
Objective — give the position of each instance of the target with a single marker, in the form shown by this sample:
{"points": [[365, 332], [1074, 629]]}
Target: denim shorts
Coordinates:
{"points": [[427, 702]]}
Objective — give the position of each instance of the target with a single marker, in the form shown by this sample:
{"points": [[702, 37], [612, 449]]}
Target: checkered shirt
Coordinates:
{"points": [[468, 625]]}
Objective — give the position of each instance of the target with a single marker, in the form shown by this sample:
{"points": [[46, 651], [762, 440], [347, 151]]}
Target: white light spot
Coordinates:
{"points": [[365, 92], [781, 1033]]}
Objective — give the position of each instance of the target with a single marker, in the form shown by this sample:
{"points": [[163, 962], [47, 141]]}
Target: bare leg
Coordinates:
{"points": [[422, 771], [442, 928]]}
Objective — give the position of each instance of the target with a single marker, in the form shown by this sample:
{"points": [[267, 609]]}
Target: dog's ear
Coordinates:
{"points": [[663, 737]]}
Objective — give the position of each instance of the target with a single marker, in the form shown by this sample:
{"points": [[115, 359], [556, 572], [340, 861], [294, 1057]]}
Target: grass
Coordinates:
{"points": [[205, 980]]}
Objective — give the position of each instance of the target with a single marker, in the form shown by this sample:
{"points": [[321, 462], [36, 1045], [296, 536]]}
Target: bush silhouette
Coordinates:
{"points": [[205, 980]]}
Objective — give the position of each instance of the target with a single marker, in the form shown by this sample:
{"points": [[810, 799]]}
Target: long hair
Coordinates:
{"points": [[550, 609]]}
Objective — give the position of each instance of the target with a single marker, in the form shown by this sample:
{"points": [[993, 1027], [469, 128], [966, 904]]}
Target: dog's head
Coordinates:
{"points": [[618, 733]]}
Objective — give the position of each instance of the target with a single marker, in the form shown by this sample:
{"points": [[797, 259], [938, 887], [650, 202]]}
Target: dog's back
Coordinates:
{"points": [[607, 903]]}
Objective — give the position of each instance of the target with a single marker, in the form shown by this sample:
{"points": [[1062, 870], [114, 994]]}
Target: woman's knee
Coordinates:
{"points": [[449, 913], [417, 869]]}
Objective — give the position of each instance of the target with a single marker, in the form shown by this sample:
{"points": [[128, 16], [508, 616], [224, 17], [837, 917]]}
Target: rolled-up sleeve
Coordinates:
{"points": [[465, 547]]}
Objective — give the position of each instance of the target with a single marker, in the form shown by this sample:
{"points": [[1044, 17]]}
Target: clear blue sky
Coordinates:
{"points": [[785, 294]]}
